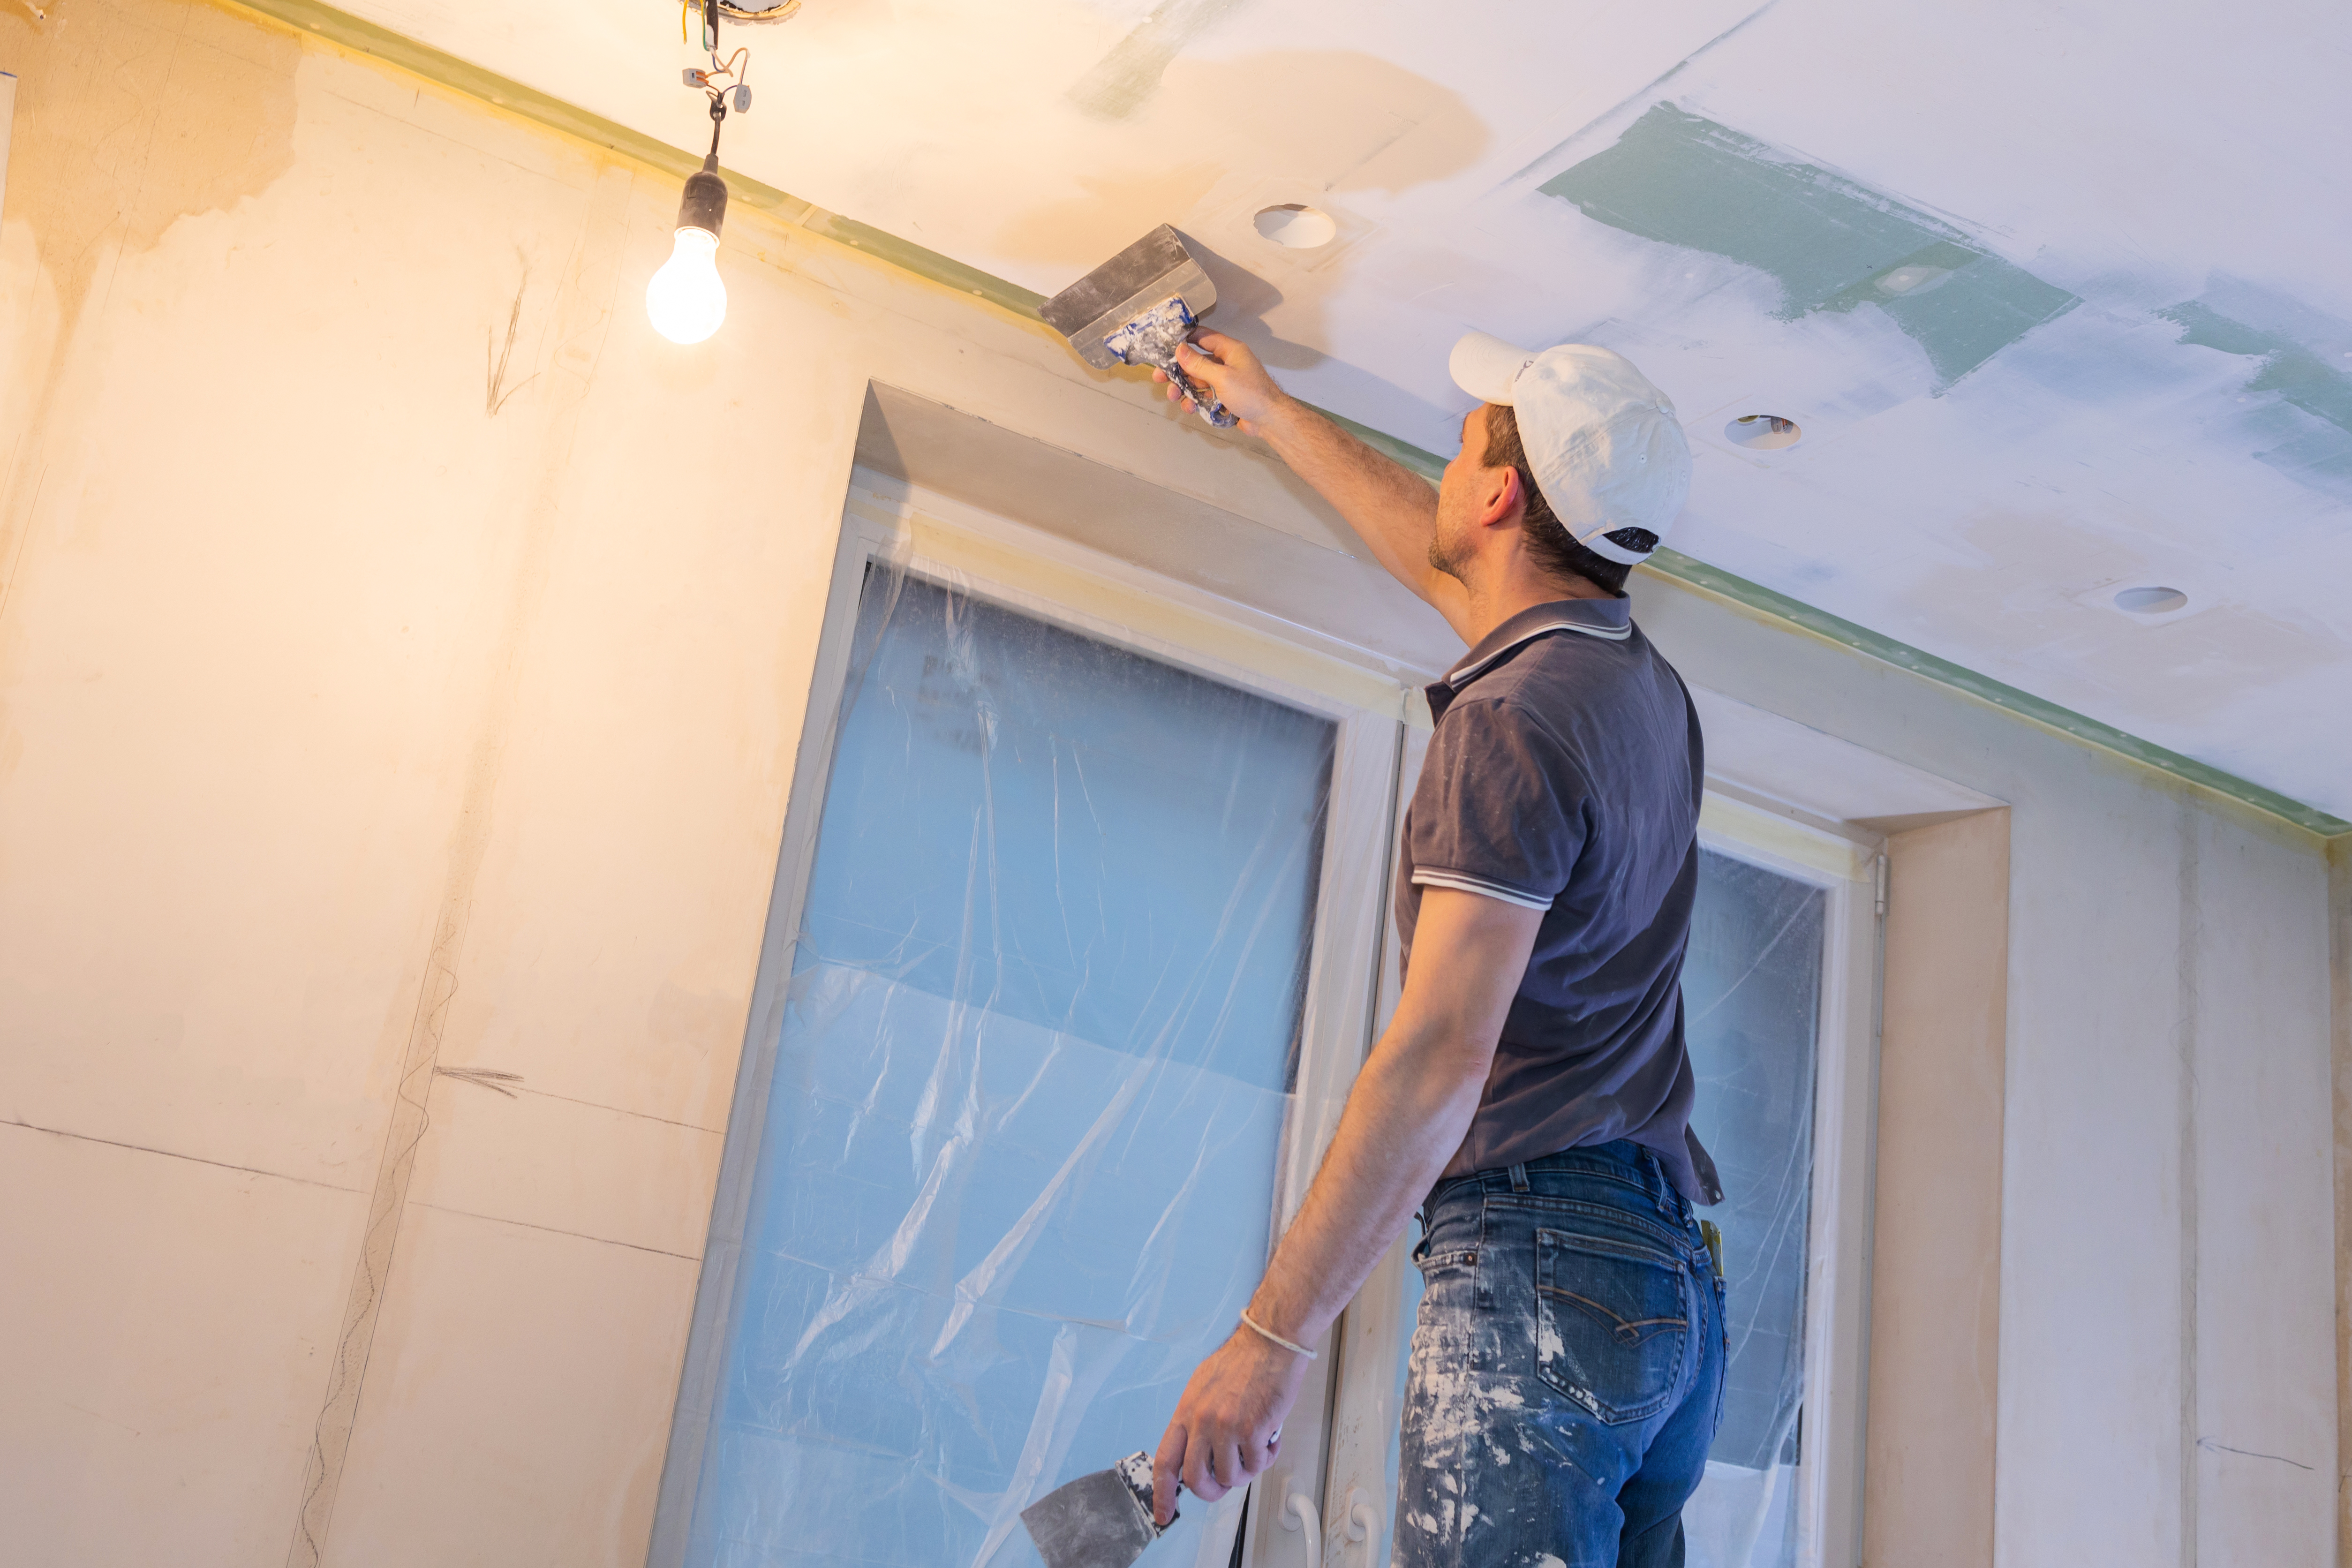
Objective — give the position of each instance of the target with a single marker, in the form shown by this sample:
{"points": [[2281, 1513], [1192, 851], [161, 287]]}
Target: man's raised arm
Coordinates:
{"points": [[1393, 509]]}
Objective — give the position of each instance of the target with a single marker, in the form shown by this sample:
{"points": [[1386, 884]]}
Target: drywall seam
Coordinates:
{"points": [[2339, 955], [7, 119], [350, 33], [2191, 946], [605, 232]]}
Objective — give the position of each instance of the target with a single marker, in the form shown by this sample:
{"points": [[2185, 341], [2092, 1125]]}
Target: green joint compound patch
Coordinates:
{"points": [[2319, 456], [1831, 244]]}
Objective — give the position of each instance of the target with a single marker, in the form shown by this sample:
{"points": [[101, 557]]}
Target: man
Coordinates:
{"points": [[1532, 1098]]}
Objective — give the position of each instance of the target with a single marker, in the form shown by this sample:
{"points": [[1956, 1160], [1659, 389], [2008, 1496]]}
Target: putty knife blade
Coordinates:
{"points": [[1101, 1520]]}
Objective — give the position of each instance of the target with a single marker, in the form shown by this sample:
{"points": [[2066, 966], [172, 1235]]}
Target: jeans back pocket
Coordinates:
{"points": [[1613, 1322]]}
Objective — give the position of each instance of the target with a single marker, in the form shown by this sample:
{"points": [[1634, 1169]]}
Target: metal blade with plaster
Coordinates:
{"points": [[1101, 1520], [1136, 307]]}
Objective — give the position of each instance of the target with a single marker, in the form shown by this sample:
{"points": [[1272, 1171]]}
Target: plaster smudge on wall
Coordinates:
{"points": [[2306, 360], [1832, 244], [1116, 84]]}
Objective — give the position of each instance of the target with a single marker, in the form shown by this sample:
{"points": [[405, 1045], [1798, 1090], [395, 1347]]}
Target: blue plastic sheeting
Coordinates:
{"points": [[1016, 1174], [1752, 1009]]}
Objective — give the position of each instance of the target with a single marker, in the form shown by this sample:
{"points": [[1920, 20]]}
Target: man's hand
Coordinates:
{"points": [[1228, 1426], [1227, 368]]}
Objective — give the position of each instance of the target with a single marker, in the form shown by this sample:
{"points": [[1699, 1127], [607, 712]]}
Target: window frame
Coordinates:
{"points": [[1849, 867], [901, 527]]}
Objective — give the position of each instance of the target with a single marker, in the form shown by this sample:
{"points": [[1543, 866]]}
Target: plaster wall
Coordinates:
{"points": [[379, 701]]}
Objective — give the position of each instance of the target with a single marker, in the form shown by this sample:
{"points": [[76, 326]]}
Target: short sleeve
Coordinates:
{"points": [[1501, 810]]}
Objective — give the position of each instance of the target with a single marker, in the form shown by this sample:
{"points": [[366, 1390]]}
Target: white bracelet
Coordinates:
{"points": [[1265, 1332]]}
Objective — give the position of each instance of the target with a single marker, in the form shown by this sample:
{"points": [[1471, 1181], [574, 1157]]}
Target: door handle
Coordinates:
{"points": [[1299, 1513], [1363, 1523]]}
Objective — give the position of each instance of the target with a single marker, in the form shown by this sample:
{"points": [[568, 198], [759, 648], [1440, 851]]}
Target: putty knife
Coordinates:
{"points": [[1101, 1520], [1136, 307]]}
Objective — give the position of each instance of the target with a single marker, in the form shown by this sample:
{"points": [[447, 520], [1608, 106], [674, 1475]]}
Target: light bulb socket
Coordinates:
{"points": [[704, 204]]}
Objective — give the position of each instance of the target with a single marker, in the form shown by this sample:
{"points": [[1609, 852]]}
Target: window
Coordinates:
{"points": [[1777, 992], [1056, 1017]]}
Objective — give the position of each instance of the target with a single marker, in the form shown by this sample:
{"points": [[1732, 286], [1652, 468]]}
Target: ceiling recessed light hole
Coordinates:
{"points": [[2153, 600], [1914, 279], [1297, 225], [1762, 432]]}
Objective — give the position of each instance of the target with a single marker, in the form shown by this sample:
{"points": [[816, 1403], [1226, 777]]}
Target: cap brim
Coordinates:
{"points": [[1485, 366]]}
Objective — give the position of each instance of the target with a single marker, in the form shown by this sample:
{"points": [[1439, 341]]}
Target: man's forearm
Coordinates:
{"points": [[1405, 1117], [1393, 509]]}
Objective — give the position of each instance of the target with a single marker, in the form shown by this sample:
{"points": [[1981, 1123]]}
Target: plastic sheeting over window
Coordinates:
{"points": [[1016, 1170], [1752, 1004]]}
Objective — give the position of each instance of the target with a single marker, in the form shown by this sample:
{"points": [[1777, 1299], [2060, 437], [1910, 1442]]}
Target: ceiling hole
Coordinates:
{"points": [[1296, 225], [1912, 280], [1762, 432], [2150, 601]]}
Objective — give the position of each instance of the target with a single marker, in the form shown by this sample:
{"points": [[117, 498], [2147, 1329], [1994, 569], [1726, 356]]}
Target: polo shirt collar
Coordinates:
{"points": [[1608, 620]]}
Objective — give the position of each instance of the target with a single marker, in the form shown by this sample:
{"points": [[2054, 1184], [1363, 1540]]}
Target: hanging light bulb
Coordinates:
{"points": [[686, 299]]}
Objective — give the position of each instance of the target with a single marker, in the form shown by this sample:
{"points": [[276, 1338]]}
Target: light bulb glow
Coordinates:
{"points": [[685, 299]]}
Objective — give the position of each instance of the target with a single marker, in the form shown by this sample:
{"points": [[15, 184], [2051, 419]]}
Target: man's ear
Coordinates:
{"points": [[1503, 497]]}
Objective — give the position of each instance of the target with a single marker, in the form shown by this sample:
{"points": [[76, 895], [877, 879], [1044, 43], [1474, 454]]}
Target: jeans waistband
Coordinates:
{"points": [[1620, 1160]]}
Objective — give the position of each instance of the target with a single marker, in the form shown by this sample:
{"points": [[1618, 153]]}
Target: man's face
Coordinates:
{"points": [[1460, 491]]}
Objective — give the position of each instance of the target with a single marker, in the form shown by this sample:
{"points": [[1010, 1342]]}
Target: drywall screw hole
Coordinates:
{"points": [[1296, 224], [2150, 601], [1762, 432]]}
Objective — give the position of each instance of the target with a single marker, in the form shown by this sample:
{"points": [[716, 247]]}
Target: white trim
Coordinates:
{"points": [[1462, 673], [1423, 877]]}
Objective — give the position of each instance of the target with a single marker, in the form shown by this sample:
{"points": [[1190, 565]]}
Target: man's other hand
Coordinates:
{"points": [[1228, 1426], [1227, 368]]}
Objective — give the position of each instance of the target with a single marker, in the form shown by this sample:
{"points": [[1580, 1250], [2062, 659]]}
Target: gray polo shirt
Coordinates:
{"points": [[1564, 775]]}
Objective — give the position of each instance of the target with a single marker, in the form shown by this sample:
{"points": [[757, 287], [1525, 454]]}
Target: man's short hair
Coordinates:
{"points": [[1549, 540]]}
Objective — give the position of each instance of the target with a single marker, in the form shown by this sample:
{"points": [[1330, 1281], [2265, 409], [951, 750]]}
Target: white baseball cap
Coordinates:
{"points": [[1603, 442]]}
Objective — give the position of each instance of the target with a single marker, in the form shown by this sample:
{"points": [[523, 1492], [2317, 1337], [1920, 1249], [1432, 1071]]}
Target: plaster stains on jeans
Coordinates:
{"points": [[2305, 368], [1832, 244]]}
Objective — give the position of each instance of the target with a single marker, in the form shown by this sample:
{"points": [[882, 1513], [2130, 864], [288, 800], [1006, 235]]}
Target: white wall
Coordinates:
{"points": [[348, 730]]}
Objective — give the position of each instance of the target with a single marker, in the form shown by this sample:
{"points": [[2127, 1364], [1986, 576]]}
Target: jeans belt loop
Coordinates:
{"points": [[1519, 1178], [1661, 1189]]}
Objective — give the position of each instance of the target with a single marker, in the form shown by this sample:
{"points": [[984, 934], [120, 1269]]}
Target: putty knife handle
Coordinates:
{"points": [[1214, 412]]}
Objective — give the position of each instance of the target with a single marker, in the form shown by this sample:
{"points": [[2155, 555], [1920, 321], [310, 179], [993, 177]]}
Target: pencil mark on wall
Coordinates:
{"points": [[173, 1154], [98, 1415], [483, 1078], [622, 1111], [558, 1230], [496, 356], [2211, 1446]]}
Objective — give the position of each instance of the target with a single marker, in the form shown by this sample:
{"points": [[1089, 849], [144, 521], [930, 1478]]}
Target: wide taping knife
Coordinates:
{"points": [[1136, 307], [1101, 1520]]}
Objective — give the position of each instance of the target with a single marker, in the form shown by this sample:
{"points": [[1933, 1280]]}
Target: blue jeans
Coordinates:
{"points": [[1567, 1372]]}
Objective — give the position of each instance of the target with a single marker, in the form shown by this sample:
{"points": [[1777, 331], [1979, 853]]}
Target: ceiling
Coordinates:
{"points": [[2123, 357]]}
